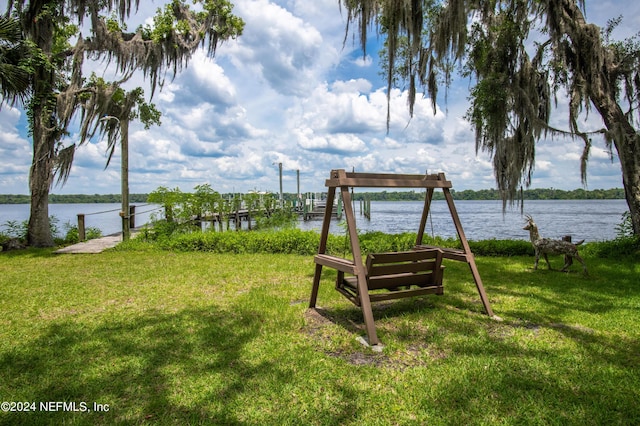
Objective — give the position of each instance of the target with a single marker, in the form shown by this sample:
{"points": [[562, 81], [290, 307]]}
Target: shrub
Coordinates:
{"points": [[296, 241], [72, 234], [289, 241], [495, 247], [621, 247], [625, 228], [19, 230], [15, 229]]}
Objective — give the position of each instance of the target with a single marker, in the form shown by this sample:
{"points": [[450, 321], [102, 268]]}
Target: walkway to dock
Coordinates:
{"points": [[96, 245]]}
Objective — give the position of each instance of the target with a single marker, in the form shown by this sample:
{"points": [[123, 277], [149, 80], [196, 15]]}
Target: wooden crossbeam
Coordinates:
{"points": [[384, 180]]}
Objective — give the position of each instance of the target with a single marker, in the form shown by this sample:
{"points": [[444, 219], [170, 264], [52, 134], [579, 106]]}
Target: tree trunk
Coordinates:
{"points": [[44, 128], [630, 159], [626, 141], [627, 144], [40, 178], [597, 68]]}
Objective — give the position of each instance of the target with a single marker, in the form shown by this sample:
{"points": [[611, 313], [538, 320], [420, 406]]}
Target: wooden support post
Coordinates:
{"points": [[467, 250], [361, 273], [322, 248], [425, 213], [81, 230], [132, 217], [168, 213]]}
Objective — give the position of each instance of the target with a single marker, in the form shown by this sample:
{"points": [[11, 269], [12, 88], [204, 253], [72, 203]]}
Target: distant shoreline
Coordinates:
{"points": [[468, 194]]}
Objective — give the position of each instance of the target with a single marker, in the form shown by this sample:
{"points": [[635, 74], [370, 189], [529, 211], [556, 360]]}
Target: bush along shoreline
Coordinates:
{"points": [[277, 234], [296, 241]]}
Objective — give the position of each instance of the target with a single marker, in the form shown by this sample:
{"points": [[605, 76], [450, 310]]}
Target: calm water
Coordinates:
{"points": [[108, 222], [592, 220]]}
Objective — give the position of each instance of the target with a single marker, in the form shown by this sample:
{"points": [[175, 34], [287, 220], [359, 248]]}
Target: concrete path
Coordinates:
{"points": [[97, 245]]}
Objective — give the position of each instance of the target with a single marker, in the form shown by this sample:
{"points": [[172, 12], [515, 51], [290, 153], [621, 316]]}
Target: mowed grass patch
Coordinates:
{"points": [[192, 338]]}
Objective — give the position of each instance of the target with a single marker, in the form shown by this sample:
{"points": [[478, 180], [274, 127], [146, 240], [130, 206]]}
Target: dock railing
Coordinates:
{"points": [[82, 233]]}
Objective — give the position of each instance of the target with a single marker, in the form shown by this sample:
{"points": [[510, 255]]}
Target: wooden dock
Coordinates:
{"points": [[317, 212], [94, 246]]}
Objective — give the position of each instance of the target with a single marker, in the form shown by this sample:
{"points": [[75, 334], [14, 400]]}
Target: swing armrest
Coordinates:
{"points": [[338, 263], [447, 253]]}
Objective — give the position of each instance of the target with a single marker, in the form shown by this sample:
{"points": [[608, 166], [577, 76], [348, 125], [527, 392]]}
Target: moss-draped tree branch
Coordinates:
{"points": [[59, 89], [516, 87]]}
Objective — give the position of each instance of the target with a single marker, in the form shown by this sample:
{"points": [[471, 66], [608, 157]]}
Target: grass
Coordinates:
{"points": [[199, 338]]}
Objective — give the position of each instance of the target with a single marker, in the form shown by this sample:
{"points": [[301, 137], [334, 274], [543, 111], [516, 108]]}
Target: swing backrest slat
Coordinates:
{"points": [[406, 268]]}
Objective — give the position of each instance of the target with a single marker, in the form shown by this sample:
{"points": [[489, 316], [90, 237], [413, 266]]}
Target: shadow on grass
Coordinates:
{"points": [[188, 367], [538, 366], [29, 253], [482, 372]]}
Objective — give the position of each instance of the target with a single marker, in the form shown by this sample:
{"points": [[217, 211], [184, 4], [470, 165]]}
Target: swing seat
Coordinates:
{"points": [[391, 275]]}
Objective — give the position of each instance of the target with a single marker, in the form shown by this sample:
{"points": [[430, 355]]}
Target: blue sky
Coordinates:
{"points": [[288, 91]]}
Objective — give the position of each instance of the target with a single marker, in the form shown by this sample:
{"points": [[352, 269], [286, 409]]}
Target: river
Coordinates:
{"points": [[104, 216], [592, 220]]}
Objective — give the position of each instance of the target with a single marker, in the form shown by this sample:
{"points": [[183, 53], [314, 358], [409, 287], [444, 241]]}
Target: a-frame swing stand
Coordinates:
{"points": [[405, 274]]}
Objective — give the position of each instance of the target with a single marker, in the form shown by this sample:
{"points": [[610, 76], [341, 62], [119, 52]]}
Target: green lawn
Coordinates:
{"points": [[195, 338]]}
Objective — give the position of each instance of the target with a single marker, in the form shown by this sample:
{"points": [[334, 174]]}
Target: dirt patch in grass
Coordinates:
{"points": [[318, 326]]}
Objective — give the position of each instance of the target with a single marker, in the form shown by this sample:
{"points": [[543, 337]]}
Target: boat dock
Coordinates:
{"points": [[94, 246]]}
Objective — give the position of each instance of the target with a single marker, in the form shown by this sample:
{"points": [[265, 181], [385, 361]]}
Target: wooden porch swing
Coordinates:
{"points": [[385, 276]]}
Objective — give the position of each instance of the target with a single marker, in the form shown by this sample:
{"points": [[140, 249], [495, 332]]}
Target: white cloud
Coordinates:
{"points": [[288, 91], [279, 47], [15, 152], [363, 61], [338, 143]]}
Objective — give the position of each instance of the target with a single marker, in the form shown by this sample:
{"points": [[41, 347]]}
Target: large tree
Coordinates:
{"points": [[523, 54], [61, 35]]}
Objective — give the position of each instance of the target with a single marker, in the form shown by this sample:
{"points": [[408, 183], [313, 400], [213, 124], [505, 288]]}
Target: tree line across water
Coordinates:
{"points": [[494, 194], [74, 198], [468, 194]]}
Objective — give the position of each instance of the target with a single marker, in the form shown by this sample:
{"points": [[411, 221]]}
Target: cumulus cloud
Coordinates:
{"points": [[15, 152], [289, 91], [337, 144], [351, 107], [278, 46], [363, 61]]}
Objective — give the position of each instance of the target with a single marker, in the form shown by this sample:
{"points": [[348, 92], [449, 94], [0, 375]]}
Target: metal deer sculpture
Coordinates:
{"points": [[545, 246]]}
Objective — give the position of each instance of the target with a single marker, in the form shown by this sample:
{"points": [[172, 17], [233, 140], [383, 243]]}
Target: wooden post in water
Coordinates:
{"points": [[81, 231], [367, 208]]}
